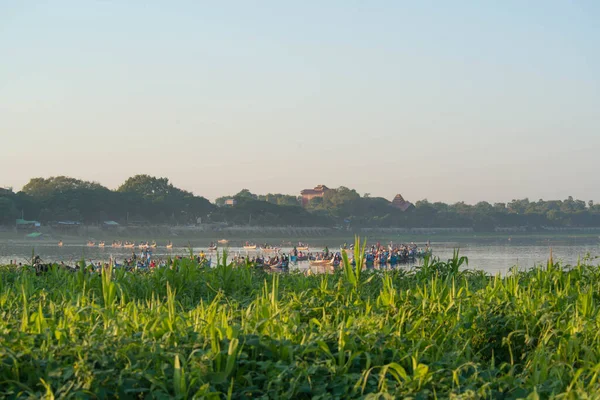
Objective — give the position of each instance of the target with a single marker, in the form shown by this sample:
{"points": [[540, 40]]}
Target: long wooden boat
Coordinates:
{"points": [[91, 244], [129, 245], [101, 244], [252, 247], [303, 248], [279, 266], [269, 249], [320, 263], [323, 265], [170, 246], [60, 243], [223, 241]]}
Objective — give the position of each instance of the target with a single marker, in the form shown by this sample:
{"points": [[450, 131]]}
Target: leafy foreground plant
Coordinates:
{"points": [[237, 332]]}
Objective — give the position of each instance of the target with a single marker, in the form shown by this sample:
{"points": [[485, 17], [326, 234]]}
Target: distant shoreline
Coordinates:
{"points": [[275, 235]]}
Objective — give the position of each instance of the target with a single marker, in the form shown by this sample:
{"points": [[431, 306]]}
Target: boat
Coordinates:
{"points": [[60, 243], [223, 241], [326, 265], [153, 245], [212, 248], [320, 263], [101, 244], [90, 243], [303, 248], [169, 245], [279, 266], [129, 245], [117, 245], [269, 249], [250, 247]]}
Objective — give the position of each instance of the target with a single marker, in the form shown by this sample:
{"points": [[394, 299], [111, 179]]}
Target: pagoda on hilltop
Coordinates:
{"points": [[309, 194], [400, 203]]}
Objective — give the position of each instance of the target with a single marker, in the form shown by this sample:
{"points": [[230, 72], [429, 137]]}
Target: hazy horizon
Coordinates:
{"points": [[462, 101]]}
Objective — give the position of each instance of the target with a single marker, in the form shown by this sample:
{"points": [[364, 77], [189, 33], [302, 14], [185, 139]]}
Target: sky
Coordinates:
{"points": [[448, 101]]}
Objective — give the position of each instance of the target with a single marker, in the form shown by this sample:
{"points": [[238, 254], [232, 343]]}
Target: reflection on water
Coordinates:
{"points": [[492, 258]]}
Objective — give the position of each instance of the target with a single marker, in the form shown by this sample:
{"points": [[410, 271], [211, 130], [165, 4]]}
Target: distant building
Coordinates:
{"points": [[110, 225], [230, 202], [309, 194], [25, 225], [400, 203]]}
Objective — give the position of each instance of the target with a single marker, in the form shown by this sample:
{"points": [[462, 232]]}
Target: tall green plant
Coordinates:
{"points": [[353, 274]]}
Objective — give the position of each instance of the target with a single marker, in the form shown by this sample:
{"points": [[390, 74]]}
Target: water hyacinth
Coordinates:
{"points": [[436, 331]]}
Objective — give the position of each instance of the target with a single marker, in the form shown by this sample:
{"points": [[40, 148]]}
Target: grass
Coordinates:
{"points": [[438, 331]]}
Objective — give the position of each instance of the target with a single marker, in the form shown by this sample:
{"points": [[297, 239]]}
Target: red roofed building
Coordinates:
{"points": [[400, 203], [309, 194]]}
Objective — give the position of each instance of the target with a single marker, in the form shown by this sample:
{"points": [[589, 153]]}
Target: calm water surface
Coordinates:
{"points": [[490, 257]]}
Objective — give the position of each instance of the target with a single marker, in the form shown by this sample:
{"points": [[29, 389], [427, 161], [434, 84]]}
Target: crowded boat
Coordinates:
{"points": [[272, 257]]}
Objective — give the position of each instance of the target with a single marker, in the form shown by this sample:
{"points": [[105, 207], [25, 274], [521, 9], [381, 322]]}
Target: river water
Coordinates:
{"points": [[494, 257]]}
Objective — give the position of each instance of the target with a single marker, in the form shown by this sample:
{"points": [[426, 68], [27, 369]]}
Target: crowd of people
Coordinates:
{"points": [[376, 254], [274, 261]]}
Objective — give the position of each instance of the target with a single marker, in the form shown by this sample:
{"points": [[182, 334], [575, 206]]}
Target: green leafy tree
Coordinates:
{"points": [[40, 187], [8, 211]]}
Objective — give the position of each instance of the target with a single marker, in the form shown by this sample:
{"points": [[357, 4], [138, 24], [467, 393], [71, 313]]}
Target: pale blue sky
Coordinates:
{"points": [[445, 100]]}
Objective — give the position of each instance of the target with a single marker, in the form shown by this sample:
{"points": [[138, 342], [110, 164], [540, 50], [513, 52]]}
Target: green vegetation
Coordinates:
{"points": [[279, 199], [140, 199], [236, 332], [143, 199]]}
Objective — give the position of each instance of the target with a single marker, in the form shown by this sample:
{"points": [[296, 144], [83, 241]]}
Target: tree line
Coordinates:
{"points": [[143, 199]]}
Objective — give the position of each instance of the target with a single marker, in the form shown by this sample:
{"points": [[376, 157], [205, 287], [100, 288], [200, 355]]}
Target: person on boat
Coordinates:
{"points": [[295, 251]]}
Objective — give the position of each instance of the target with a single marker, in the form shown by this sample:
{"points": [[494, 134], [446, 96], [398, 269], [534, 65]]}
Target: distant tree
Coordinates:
{"points": [[40, 187], [147, 186], [245, 194], [8, 211], [334, 198], [280, 199], [316, 203], [483, 207], [518, 206], [500, 207]]}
